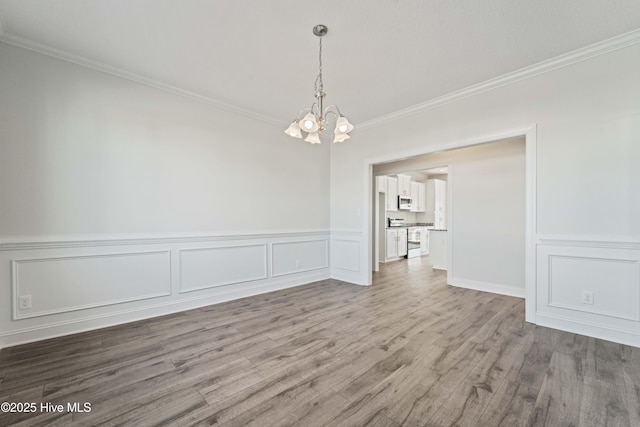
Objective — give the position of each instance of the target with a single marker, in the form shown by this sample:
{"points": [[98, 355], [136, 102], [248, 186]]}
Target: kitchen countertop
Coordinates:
{"points": [[412, 224]]}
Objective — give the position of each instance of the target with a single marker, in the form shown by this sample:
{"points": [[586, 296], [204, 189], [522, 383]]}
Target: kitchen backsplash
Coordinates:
{"points": [[407, 216], [424, 217]]}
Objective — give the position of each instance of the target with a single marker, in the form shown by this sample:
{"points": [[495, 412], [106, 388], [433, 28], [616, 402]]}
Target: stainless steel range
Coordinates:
{"points": [[413, 242]]}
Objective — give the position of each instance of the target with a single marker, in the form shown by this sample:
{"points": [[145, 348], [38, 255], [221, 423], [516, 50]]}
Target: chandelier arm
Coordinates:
{"points": [[302, 113], [315, 109], [336, 113]]}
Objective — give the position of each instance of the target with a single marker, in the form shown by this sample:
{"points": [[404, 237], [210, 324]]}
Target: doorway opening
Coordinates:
{"points": [[427, 211], [475, 212]]}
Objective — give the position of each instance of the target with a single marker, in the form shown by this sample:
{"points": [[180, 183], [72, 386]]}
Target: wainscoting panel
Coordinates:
{"points": [[590, 287], [79, 284], [62, 284], [298, 256], [345, 255], [210, 267], [604, 279], [348, 259]]}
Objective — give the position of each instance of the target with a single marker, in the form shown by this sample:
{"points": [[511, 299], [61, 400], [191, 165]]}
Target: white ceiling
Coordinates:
{"points": [[379, 56]]}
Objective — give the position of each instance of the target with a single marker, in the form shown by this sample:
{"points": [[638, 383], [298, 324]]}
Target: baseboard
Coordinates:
{"points": [[488, 287], [349, 277], [607, 333]]}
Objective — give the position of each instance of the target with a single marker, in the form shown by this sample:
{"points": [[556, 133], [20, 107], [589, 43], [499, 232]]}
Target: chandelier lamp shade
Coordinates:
{"points": [[313, 121]]}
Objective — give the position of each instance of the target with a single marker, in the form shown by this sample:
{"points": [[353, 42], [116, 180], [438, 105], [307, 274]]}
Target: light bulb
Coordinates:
{"points": [[309, 123], [343, 125]]}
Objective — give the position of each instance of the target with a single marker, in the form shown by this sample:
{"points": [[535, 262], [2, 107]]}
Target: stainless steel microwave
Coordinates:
{"points": [[404, 202]]}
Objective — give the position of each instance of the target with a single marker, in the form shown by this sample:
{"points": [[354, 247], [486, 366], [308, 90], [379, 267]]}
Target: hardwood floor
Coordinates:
{"points": [[408, 350]]}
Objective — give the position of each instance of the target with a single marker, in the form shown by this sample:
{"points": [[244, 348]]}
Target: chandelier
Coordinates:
{"points": [[315, 120]]}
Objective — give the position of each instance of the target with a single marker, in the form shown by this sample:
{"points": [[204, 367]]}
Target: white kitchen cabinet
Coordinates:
{"points": [[422, 199], [414, 197], [440, 213], [381, 182], [392, 193], [424, 240], [431, 201], [440, 195], [402, 242], [438, 249], [436, 204], [404, 185], [391, 244], [418, 197], [396, 243]]}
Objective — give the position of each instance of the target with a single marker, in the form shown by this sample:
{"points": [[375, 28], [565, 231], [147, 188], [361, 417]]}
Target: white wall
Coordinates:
{"points": [[587, 119], [119, 201], [488, 214], [84, 152]]}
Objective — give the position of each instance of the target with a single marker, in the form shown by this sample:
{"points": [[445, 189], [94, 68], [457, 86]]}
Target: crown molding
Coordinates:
{"points": [[564, 60], [13, 40]]}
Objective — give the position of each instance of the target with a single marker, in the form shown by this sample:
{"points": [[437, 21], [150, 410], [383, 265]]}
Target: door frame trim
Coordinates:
{"points": [[530, 135]]}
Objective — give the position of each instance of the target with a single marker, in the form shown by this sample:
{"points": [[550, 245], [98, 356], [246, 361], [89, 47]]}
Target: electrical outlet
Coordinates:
{"points": [[587, 297], [297, 263], [24, 302]]}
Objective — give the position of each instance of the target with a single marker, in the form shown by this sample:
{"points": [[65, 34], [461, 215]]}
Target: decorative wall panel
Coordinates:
{"points": [[210, 267], [61, 284]]}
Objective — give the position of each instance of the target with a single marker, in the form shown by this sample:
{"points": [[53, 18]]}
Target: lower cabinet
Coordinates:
{"points": [[402, 242], [396, 243], [424, 241], [438, 250]]}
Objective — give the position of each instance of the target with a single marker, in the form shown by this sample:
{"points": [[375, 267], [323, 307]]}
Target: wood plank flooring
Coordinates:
{"points": [[407, 351]]}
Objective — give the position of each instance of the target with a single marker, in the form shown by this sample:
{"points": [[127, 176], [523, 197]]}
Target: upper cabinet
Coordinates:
{"points": [[418, 197], [437, 202], [382, 183], [389, 186], [436, 198], [404, 185], [440, 195], [392, 193]]}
